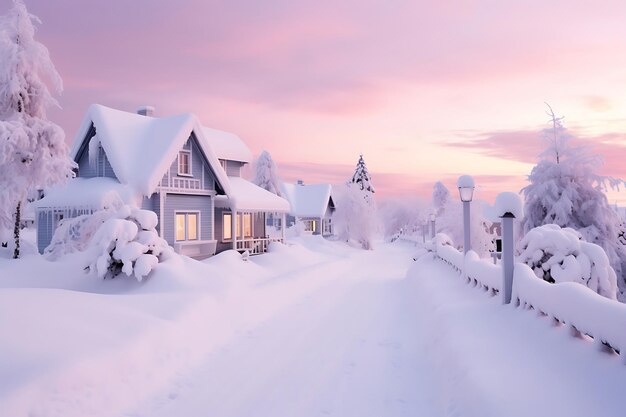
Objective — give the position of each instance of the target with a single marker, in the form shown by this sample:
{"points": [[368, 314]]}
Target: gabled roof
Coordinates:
{"points": [[141, 148], [307, 200], [227, 145]]}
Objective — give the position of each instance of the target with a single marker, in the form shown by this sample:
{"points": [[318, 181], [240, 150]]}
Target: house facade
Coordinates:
{"points": [[312, 205], [167, 165]]}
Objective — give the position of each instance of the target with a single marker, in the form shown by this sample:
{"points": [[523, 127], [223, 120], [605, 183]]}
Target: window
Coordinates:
{"points": [[227, 226], [243, 223], [310, 225], [247, 225], [223, 164], [184, 163], [187, 226]]}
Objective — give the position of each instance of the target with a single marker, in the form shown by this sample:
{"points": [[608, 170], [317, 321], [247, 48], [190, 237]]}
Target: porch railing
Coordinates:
{"points": [[256, 245]]}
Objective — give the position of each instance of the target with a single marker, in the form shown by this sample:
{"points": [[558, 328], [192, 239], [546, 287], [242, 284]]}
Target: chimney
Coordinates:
{"points": [[146, 111], [300, 182]]}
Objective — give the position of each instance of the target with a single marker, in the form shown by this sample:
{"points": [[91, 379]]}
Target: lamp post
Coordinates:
{"points": [[466, 192], [432, 225]]}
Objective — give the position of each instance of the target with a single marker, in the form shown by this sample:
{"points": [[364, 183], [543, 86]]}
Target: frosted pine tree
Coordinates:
{"points": [[361, 176], [565, 189], [265, 173], [33, 153]]}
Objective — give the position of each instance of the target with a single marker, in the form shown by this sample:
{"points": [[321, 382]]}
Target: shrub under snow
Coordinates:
{"points": [[558, 254], [115, 241]]}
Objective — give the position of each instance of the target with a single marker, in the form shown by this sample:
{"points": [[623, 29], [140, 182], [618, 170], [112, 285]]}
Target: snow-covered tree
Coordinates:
{"points": [[561, 255], [265, 173], [361, 177], [355, 215], [565, 189], [441, 196], [33, 153]]}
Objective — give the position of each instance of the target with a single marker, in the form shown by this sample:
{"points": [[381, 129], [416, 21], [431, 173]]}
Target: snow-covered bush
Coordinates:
{"points": [[114, 241], [558, 254]]}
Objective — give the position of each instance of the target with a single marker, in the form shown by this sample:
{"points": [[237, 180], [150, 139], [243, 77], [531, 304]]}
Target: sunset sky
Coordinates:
{"points": [[426, 90]]}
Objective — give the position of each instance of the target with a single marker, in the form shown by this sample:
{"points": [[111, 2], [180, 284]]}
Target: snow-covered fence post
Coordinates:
{"points": [[508, 207], [466, 192]]}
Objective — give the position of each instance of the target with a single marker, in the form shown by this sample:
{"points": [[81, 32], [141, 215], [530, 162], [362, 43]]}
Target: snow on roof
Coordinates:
{"points": [[94, 193], [227, 145], [246, 196], [307, 200], [141, 148]]}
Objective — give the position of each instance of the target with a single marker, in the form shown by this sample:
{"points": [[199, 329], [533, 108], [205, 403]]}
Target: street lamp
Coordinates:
{"points": [[432, 225], [466, 192]]}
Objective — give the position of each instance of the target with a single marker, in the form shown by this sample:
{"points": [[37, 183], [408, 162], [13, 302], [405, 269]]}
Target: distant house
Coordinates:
{"points": [[189, 175], [312, 205]]}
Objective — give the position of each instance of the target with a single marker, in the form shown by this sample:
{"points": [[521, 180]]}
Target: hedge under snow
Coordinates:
{"points": [[558, 254], [114, 241]]}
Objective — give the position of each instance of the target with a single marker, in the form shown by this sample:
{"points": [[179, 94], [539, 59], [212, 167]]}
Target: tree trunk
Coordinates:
{"points": [[16, 231]]}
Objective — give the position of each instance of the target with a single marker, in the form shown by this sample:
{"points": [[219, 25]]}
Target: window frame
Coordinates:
{"points": [[186, 213], [186, 152]]}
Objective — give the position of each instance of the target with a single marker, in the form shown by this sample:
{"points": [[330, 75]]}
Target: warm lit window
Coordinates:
{"points": [[184, 163], [244, 222], [227, 226], [309, 225], [186, 226], [247, 225]]}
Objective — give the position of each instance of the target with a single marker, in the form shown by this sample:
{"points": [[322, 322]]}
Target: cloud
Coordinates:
{"points": [[598, 103], [513, 145], [526, 145]]}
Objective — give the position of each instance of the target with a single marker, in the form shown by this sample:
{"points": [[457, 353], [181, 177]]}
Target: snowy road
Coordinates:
{"points": [[350, 348], [330, 331]]}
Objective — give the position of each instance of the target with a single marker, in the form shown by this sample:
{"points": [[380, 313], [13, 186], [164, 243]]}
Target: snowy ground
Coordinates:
{"points": [[314, 329]]}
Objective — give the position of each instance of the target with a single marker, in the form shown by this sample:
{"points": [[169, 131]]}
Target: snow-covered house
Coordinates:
{"points": [[169, 165], [312, 205]]}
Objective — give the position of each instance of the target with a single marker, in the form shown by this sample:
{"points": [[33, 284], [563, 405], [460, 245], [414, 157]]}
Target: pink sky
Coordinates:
{"points": [[425, 90]]}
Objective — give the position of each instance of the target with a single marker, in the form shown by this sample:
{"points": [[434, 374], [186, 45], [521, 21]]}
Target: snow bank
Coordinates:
{"points": [[574, 305]]}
